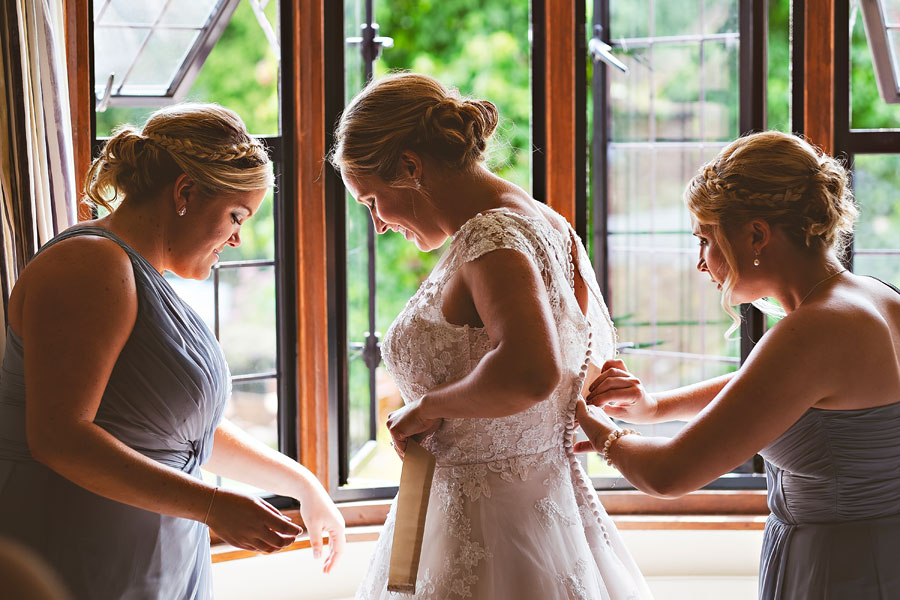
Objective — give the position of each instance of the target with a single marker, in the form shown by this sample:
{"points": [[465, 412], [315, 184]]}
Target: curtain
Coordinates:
{"points": [[37, 178]]}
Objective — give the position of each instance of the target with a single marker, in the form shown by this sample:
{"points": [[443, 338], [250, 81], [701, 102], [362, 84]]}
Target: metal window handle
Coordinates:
{"points": [[103, 103], [601, 51], [371, 42]]}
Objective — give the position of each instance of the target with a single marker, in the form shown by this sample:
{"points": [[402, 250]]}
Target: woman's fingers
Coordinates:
{"points": [[398, 441], [581, 447], [336, 543], [281, 525], [614, 363], [609, 375], [251, 523], [617, 389], [265, 545], [585, 420], [616, 411], [592, 426], [315, 541]]}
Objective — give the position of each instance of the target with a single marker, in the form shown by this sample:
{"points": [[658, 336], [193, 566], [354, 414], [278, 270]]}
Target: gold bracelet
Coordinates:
{"points": [[209, 508], [612, 437]]}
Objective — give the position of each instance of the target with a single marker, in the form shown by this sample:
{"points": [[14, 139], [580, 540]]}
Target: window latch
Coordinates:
{"points": [[371, 351], [370, 43], [601, 51], [103, 103]]}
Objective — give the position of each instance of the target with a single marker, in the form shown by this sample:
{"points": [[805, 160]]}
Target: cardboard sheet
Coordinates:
{"points": [[412, 506]]}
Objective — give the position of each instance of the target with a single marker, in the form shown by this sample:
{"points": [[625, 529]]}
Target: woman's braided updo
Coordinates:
{"points": [[409, 111], [781, 179], [206, 142]]}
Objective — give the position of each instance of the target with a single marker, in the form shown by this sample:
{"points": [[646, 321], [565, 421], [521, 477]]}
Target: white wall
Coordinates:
{"points": [[678, 564]]}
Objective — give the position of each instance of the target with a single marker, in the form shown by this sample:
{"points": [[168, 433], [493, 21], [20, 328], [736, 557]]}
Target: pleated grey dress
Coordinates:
{"points": [[834, 493], [164, 399]]}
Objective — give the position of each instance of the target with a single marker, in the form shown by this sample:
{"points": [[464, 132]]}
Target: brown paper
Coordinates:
{"points": [[412, 506]]}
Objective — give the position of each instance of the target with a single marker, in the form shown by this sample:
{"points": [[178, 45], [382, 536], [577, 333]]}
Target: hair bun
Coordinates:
{"points": [[829, 207], [410, 111], [457, 130]]}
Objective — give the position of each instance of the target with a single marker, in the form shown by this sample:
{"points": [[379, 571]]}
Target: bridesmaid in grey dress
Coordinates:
{"points": [[819, 395], [113, 389]]}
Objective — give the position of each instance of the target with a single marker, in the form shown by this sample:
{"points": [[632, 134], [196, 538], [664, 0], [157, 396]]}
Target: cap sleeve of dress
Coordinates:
{"points": [[492, 231]]}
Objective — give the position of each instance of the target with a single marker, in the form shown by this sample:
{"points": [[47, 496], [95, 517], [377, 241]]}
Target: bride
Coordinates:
{"points": [[490, 356]]}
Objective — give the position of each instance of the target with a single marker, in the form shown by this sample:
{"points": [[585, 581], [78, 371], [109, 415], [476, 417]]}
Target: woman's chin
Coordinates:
{"points": [[422, 246], [199, 273]]}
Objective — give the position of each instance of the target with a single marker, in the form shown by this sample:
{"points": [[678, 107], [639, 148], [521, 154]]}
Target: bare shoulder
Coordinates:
{"points": [[831, 325], [857, 310], [75, 277], [836, 346]]}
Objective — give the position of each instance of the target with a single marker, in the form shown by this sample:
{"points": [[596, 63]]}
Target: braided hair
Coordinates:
{"points": [[206, 142], [781, 179]]}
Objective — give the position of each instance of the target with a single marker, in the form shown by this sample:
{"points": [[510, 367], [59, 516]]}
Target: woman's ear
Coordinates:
{"points": [[183, 191], [411, 167], [760, 233]]}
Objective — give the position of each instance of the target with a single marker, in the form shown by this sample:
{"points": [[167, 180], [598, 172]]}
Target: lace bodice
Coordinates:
{"points": [[511, 512], [422, 350]]}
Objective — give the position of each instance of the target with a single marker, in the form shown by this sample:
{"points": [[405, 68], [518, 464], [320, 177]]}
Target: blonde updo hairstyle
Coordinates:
{"points": [[409, 111], [781, 179], [206, 142]]}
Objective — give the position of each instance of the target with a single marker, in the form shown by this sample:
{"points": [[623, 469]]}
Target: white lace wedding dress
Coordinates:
{"points": [[511, 513]]}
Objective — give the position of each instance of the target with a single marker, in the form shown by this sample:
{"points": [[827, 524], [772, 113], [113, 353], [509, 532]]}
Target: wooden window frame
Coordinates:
{"points": [[307, 80]]}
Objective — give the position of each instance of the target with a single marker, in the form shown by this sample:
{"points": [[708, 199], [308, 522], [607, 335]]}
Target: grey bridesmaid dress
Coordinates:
{"points": [[834, 494], [164, 399]]}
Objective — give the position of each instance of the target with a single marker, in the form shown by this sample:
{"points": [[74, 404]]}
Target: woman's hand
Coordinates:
{"points": [[621, 394], [250, 523], [322, 517], [408, 421], [595, 424]]}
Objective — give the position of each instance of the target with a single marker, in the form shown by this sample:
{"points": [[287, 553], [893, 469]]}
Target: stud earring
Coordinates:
{"points": [[182, 211]]}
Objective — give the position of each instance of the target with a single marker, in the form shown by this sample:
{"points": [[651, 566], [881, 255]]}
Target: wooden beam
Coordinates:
{"points": [[78, 62], [560, 30], [818, 65], [308, 104]]}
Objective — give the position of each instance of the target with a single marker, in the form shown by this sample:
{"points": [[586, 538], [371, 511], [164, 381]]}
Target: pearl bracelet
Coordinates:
{"points": [[612, 437]]}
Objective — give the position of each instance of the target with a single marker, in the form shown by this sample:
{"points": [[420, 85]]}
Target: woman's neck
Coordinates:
{"points": [[140, 225], [462, 195], [809, 273]]}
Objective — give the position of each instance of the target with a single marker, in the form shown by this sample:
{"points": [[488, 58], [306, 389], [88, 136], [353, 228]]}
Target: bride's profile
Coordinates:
{"points": [[490, 356]]}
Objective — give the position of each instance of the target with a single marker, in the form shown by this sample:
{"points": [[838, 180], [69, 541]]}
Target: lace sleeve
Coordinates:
{"points": [[495, 231]]}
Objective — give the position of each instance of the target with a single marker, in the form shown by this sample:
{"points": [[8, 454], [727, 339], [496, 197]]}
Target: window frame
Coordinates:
{"points": [[186, 73], [847, 141], [753, 26], [312, 63], [887, 74], [281, 149]]}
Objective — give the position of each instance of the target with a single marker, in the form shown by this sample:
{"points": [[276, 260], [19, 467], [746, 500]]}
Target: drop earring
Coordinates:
{"points": [[756, 260], [182, 211]]}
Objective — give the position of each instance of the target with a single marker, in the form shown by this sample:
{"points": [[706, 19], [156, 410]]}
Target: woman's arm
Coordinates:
{"points": [[622, 396], [78, 311], [239, 456], [786, 374], [521, 370]]}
